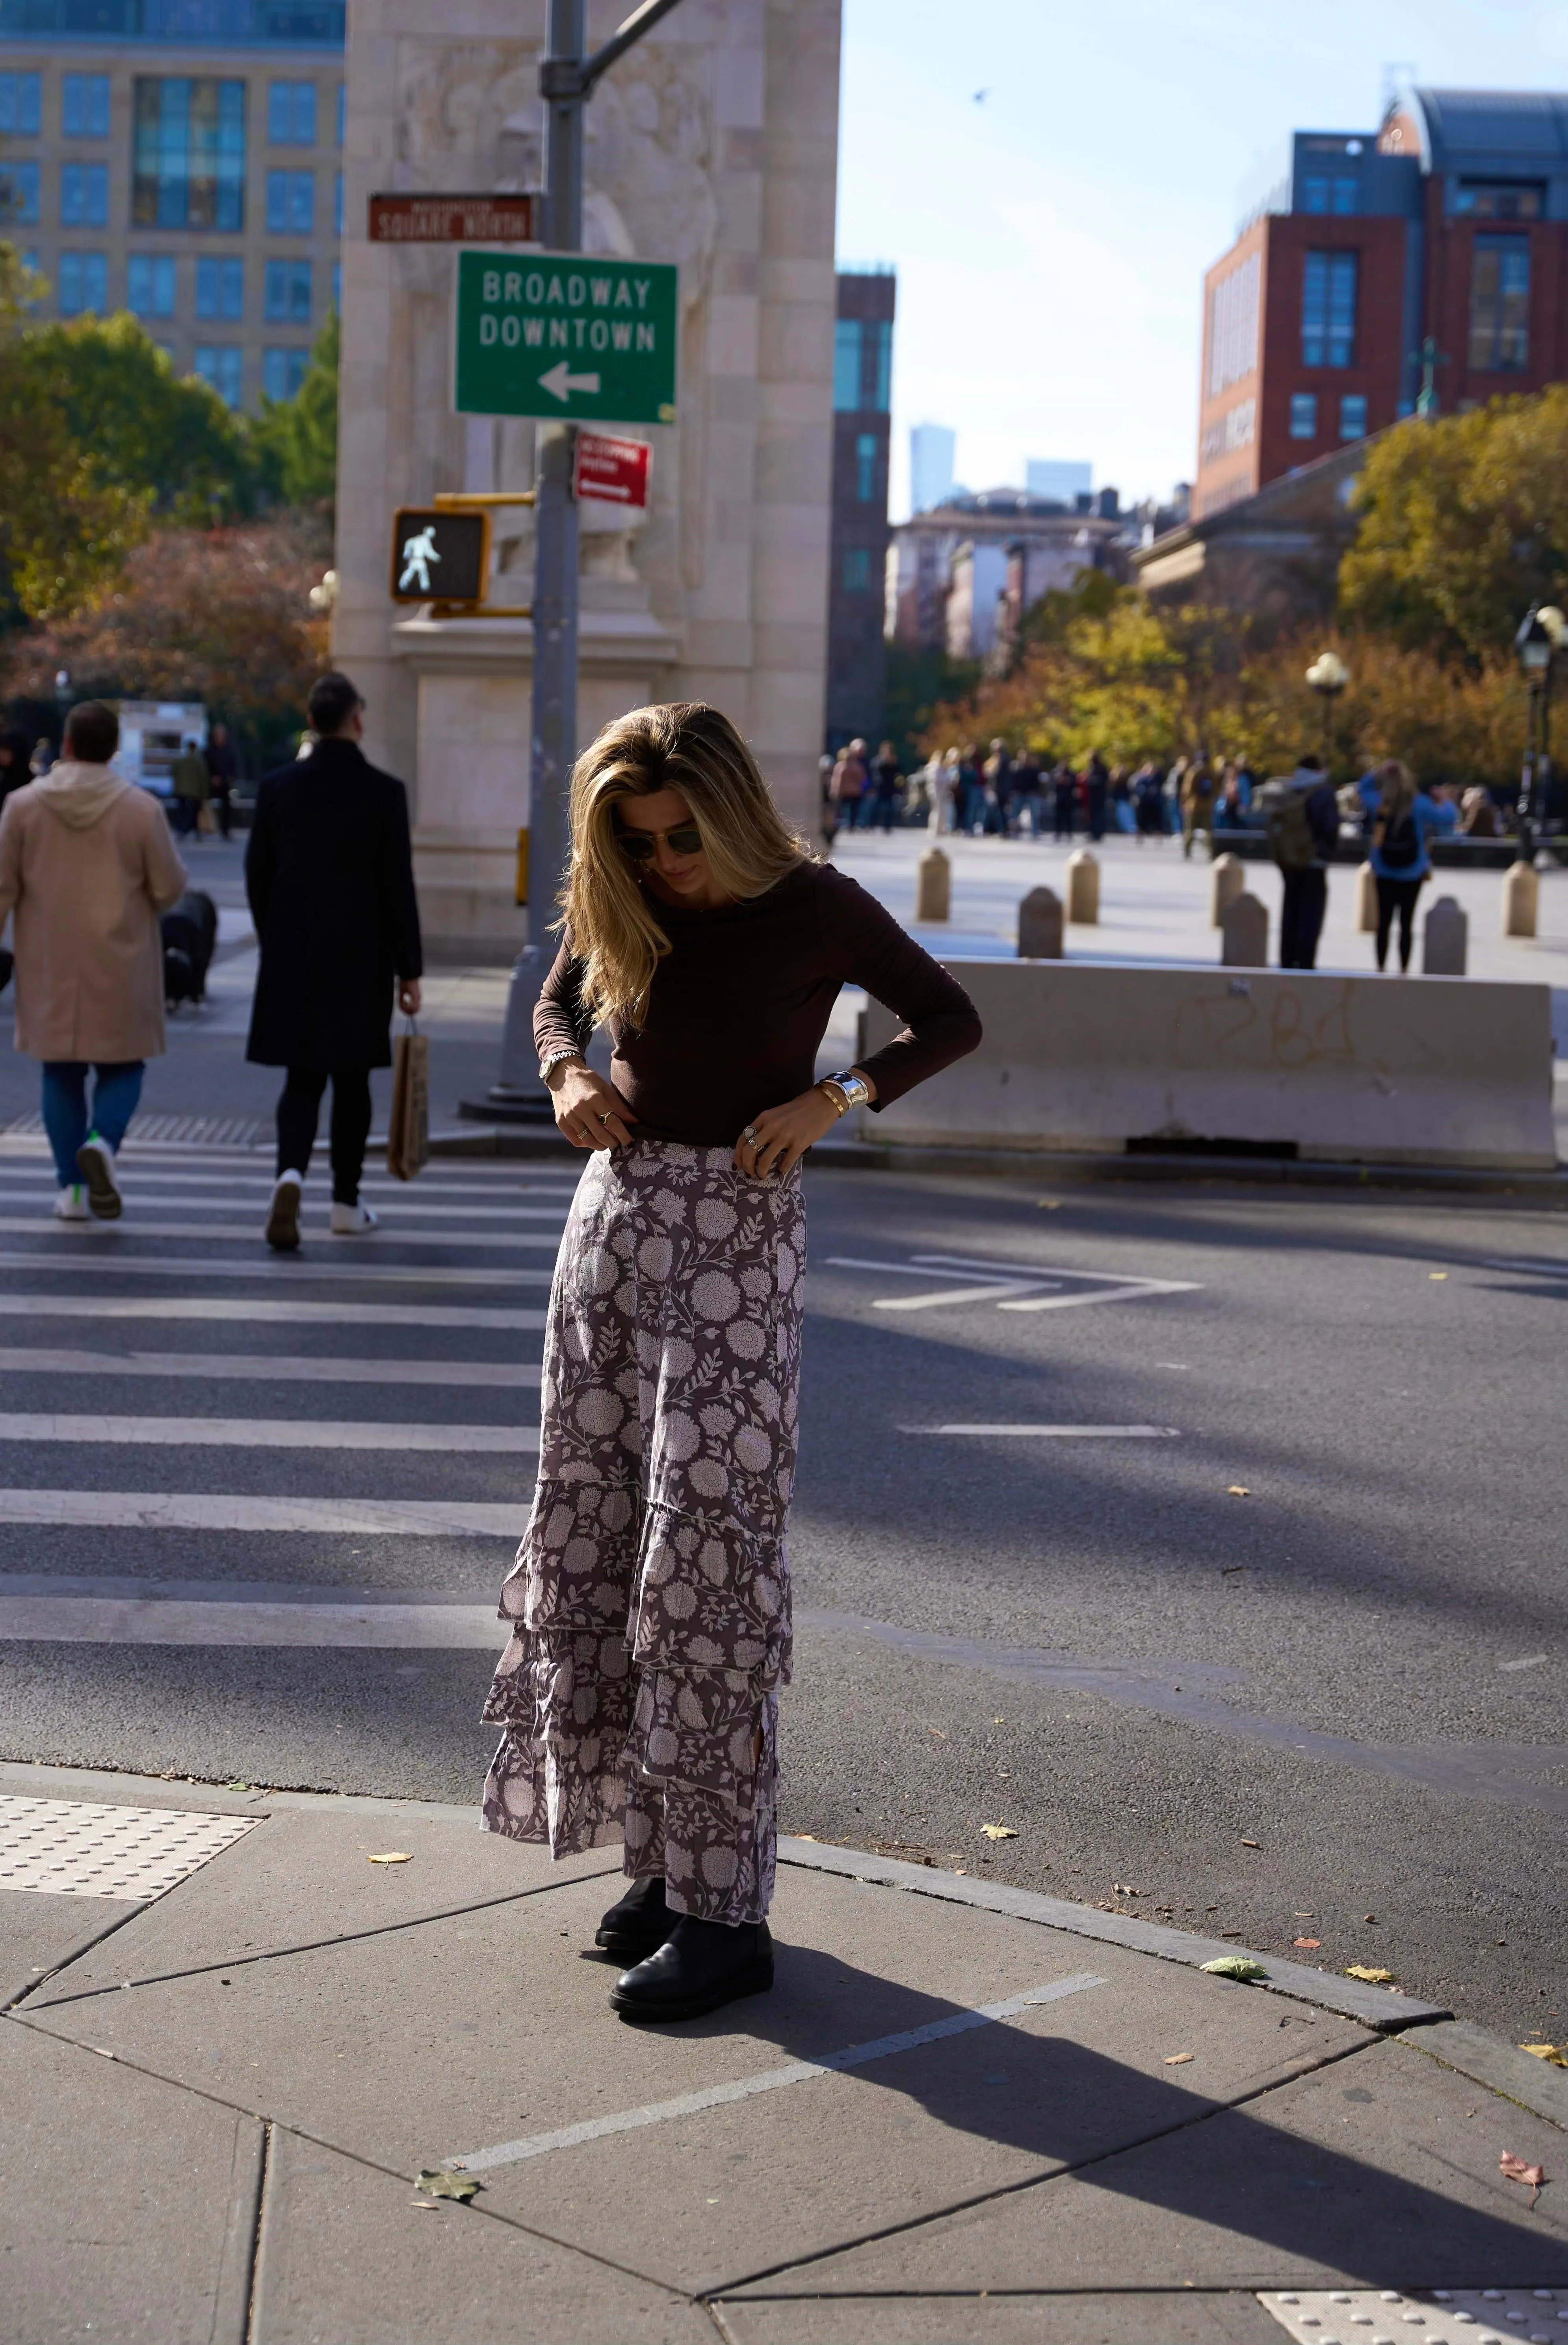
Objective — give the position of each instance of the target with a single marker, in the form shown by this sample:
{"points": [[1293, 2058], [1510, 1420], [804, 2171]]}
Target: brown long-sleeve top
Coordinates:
{"points": [[739, 1005]]}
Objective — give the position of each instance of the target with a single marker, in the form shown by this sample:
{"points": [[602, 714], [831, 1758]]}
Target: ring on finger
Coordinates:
{"points": [[750, 1133]]}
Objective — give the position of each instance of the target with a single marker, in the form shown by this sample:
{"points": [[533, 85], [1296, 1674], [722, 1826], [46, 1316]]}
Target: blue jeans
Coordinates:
{"points": [[114, 1100]]}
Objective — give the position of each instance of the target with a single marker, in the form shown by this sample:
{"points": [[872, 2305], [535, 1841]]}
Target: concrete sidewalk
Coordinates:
{"points": [[964, 2112]]}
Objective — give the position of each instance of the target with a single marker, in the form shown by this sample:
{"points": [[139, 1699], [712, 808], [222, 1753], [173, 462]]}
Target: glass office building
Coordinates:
{"points": [[181, 159]]}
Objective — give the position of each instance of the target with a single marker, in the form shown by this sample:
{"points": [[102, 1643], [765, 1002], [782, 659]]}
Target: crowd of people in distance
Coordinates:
{"points": [[1003, 793]]}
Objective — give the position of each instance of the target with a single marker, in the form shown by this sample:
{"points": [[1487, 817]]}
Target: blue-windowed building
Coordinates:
{"points": [[1423, 263], [867, 302], [180, 159]]}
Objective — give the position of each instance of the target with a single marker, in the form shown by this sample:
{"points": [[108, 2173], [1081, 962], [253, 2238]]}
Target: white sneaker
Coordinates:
{"points": [[283, 1216], [352, 1221], [95, 1163], [71, 1204]]}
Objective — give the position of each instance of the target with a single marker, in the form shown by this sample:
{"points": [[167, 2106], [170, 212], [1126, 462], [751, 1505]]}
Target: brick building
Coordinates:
{"points": [[181, 159], [862, 390], [1447, 229]]}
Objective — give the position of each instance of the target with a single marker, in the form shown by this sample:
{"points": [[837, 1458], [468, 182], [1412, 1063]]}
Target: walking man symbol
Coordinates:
{"points": [[418, 553]]}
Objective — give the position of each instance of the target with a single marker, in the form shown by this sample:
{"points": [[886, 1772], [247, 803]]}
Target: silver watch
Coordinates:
{"points": [[855, 1089], [557, 1059]]}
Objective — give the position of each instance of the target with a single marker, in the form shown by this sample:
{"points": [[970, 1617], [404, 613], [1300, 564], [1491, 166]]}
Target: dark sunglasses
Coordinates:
{"points": [[642, 846]]}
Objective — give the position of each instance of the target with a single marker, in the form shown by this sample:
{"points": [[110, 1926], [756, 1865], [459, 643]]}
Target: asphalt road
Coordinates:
{"points": [[1287, 1663]]}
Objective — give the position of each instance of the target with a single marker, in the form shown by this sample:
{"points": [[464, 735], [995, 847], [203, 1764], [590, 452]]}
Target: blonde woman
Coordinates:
{"points": [[650, 1599]]}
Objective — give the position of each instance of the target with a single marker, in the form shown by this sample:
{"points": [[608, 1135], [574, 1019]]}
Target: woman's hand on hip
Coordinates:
{"points": [[775, 1141], [589, 1111]]}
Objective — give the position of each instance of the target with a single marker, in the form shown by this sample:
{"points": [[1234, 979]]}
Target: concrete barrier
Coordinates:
{"points": [[1088, 1058]]}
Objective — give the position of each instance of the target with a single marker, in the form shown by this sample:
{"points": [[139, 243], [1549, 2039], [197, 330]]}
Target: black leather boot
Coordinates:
{"points": [[701, 1965], [639, 1925]]}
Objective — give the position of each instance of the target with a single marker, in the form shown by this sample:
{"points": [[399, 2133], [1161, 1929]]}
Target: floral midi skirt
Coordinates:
{"points": [[649, 1601]]}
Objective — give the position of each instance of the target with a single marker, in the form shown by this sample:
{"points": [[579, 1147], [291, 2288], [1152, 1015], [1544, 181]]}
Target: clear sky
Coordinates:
{"points": [[1050, 237]]}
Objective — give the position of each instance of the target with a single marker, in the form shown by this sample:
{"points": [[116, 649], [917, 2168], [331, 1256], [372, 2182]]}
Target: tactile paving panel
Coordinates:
{"points": [[71, 1849], [1439, 2316]]}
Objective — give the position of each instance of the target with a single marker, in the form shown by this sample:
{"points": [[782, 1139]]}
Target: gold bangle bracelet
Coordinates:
{"points": [[835, 1096]]}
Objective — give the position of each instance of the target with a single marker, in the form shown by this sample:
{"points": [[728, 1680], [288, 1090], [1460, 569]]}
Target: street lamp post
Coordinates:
{"points": [[566, 82], [1541, 631], [1327, 676]]}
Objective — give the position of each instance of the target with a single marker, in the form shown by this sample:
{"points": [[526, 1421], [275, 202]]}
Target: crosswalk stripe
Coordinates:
{"points": [[247, 1309], [269, 1270], [262, 1367], [140, 1200], [108, 1232], [268, 1433], [187, 1511], [161, 1620]]}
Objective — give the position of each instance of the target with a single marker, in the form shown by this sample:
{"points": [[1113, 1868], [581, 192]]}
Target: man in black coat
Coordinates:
{"points": [[331, 880]]}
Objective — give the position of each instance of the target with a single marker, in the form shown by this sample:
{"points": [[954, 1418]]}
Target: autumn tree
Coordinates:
{"points": [[166, 441], [221, 617], [1464, 523], [66, 519]]}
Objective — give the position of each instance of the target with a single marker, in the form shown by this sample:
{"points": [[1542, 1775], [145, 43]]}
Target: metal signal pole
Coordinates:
{"points": [[566, 82]]}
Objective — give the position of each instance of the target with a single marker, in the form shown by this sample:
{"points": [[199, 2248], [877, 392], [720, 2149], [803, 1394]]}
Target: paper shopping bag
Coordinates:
{"points": [[408, 1125]]}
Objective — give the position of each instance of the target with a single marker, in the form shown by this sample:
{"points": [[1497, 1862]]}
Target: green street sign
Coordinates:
{"points": [[560, 334]]}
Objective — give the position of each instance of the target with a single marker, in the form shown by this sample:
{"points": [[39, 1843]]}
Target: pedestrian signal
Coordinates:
{"points": [[440, 556]]}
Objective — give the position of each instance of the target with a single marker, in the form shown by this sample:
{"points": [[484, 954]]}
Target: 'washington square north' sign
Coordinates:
{"points": [[561, 334]]}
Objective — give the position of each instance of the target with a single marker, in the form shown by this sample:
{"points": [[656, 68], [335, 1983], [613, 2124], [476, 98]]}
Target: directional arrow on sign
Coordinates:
{"points": [[560, 385]]}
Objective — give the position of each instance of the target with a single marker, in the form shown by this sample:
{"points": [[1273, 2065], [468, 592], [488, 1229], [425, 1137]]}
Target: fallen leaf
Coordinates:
{"points": [[1049, 1204], [936, 1730], [1437, 1273], [1556, 2053], [1306, 1942], [1239, 1490], [1178, 2059], [1371, 1978], [440, 2183], [998, 1832], [1252, 1843], [1234, 1966], [1514, 2169], [394, 1856]]}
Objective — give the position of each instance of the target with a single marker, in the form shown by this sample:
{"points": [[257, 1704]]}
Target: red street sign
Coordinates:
{"points": [[457, 220], [615, 469]]}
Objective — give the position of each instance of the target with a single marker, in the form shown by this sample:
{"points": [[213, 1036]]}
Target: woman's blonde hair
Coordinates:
{"points": [[1396, 789], [610, 919]]}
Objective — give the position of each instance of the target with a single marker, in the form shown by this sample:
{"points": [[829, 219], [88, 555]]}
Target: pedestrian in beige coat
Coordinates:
{"points": [[86, 864]]}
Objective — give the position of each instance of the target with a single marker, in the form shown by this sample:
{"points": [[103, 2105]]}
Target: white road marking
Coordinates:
{"points": [[270, 1433], [107, 1232], [768, 2080], [171, 1621], [185, 1510], [1051, 1432], [1010, 1286], [1531, 1661], [139, 1198], [263, 1367], [269, 1270], [245, 1311]]}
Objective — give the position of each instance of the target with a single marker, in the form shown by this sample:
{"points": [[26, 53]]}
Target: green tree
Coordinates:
{"points": [[149, 434], [918, 684], [298, 438], [67, 520], [1464, 523]]}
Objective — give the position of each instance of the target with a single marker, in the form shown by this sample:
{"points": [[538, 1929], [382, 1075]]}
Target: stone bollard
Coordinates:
{"points": [[1520, 900], [1041, 925], [932, 886], [1366, 901], [1245, 934], [1083, 889], [1444, 939], [1226, 881]]}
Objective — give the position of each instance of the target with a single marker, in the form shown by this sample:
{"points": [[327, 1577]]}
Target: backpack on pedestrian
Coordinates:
{"points": [[1399, 841], [1290, 834]]}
